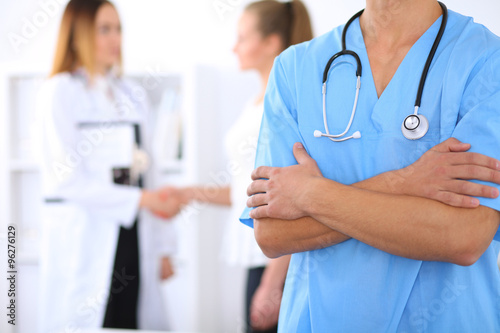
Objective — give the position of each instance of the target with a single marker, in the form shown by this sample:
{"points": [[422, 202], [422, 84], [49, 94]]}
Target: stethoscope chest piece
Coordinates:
{"points": [[415, 126]]}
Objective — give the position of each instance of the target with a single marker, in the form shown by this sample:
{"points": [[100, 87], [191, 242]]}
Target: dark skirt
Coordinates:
{"points": [[121, 310]]}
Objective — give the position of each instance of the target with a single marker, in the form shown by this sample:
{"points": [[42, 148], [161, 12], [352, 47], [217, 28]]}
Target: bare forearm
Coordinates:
{"points": [[219, 195], [275, 273], [411, 227], [280, 237]]}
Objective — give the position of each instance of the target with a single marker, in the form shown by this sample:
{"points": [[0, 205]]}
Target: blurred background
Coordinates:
{"points": [[186, 47]]}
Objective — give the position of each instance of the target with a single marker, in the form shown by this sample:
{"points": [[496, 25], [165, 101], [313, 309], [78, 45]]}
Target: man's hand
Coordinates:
{"points": [[280, 196], [442, 174]]}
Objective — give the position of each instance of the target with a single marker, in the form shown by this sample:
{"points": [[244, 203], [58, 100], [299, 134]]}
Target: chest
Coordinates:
{"points": [[384, 65], [382, 146], [96, 106]]}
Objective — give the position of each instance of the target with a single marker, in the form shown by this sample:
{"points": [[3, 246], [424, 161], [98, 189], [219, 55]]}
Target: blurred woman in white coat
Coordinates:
{"points": [[103, 254]]}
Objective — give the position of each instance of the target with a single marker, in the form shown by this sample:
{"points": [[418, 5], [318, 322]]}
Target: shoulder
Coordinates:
{"points": [[473, 57], [56, 89], [62, 85], [57, 95], [317, 48], [472, 42], [472, 31]]}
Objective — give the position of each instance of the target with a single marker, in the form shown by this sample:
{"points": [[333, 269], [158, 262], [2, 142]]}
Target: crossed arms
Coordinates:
{"points": [[422, 212]]}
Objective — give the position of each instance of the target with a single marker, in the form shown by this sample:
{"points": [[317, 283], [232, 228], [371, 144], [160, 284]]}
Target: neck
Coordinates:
{"points": [[396, 22], [102, 69]]}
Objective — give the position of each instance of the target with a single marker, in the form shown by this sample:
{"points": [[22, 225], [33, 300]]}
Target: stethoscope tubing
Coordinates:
{"points": [[412, 134]]}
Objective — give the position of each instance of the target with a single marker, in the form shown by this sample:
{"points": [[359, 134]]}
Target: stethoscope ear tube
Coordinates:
{"points": [[359, 67]]}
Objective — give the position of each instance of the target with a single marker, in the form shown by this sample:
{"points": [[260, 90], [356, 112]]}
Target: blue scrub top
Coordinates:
{"points": [[353, 287]]}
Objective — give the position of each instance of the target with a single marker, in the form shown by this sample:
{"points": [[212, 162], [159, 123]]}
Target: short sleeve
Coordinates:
{"points": [[479, 122], [279, 129]]}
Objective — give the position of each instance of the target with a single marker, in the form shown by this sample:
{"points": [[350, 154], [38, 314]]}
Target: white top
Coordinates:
{"points": [[240, 246]]}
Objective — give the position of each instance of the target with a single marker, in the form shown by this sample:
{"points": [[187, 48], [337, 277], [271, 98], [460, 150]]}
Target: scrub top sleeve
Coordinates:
{"points": [[279, 129], [479, 124]]}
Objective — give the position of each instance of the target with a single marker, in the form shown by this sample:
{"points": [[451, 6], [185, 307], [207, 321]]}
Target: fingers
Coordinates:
{"points": [[472, 189], [166, 273], [459, 147], [475, 172], [256, 319], [451, 145], [160, 214], [167, 269], [457, 200], [459, 155], [263, 315], [259, 212], [474, 159], [301, 154], [257, 186], [258, 200], [262, 172]]}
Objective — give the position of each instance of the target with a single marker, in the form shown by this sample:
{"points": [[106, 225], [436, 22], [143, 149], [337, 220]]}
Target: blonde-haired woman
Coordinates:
{"points": [[103, 253], [265, 29]]}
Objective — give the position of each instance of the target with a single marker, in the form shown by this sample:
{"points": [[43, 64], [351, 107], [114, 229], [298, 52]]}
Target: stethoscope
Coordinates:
{"points": [[415, 125]]}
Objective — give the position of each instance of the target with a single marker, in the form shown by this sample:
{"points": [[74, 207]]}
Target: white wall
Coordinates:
{"points": [[178, 34], [172, 33]]}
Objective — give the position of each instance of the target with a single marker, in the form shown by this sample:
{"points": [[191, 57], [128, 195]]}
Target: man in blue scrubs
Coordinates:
{"points": [[385, 233]]}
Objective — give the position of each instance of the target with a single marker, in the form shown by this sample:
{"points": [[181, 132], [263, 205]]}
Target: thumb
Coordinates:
{"points": [[452, 145], [301, 154], [458, 146]]}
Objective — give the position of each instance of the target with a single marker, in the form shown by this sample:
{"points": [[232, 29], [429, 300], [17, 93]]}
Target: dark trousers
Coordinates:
{"points": [[253, 282], [121, 310]]}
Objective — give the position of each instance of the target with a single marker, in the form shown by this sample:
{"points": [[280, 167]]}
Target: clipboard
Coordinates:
{"points": [[114, 145]]}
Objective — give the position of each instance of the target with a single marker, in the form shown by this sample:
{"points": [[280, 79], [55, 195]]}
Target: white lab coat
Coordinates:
{"points": [[79, 234]]}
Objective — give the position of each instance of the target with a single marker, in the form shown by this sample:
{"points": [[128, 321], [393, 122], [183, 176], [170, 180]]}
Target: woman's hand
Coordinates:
{"points": [[164, 202], [265, 307], [166, 268]]}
